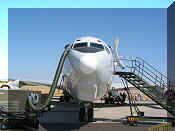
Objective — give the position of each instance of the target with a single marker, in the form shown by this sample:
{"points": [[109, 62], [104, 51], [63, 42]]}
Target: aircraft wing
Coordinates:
{"points": [[35, 83]]}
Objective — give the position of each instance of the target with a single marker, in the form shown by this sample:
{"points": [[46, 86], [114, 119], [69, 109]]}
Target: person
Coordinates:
{"points": [[114, 93], [139, 97], [116, 96], [124, 97], [135, 97], [121, 97]]}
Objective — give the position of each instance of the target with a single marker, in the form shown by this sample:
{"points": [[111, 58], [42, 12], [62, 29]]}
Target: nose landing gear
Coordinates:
{"points": [[86, 113]]}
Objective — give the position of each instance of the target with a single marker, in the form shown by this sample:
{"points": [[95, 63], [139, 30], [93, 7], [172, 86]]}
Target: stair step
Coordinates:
{"points": [[131, 76], [137, 80], [147, 89]]}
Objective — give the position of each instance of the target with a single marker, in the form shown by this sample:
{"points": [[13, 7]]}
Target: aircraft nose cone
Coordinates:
{"points": [[88, 64]]}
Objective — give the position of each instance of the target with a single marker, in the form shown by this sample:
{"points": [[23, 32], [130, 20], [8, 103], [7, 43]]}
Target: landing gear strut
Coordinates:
{"points": [[86, 113]]}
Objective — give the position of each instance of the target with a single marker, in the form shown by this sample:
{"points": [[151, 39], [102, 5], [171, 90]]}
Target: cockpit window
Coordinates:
{"points": [[80, 45], [107, 50], [88, 47], [98, 46]]}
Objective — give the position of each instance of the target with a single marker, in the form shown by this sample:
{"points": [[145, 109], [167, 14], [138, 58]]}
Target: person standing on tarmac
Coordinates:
{"points": [[124, 97]]}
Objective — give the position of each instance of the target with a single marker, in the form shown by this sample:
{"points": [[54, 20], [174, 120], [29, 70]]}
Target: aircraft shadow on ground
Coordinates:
{"points": [[108, 126], [63, 127]]}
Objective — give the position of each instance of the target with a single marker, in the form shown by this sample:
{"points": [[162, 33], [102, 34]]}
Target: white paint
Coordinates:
{"points": [[88, 73], [88, 63]]}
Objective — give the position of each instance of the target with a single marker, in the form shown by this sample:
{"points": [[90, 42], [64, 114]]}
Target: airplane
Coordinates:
{"points": [[88, 71], [15, 85], [10, 85]]}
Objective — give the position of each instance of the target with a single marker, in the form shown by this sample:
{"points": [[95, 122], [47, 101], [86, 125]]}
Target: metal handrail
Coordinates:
{"points": [[162, 75], [151, 66], [145, 70]]}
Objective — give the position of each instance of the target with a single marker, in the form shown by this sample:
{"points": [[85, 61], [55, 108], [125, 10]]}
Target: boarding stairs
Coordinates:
{"points": [[149, 81]]}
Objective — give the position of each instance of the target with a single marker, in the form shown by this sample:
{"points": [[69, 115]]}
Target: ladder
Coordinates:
{"points": [[149, 81]]}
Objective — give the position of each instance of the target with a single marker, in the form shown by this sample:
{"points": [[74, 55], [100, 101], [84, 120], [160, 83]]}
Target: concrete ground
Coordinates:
{"points": [[107, 118], [110, 118], [115, 112]]}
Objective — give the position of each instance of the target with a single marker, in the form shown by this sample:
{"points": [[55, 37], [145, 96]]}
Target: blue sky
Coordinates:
{"points": [[5, 4], [37, 36]]}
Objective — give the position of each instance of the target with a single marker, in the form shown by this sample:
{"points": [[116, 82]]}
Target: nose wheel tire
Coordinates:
{"points": [[90, 114], [86, 115], [82, 114]]}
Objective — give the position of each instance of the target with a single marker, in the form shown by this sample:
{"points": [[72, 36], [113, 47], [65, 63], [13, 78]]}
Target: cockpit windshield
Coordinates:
{"points": [[80, 45], [88, 47], [98, 46]]}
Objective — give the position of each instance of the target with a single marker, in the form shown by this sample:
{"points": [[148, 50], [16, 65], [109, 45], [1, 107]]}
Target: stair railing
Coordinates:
{"points": [[146, 72]]}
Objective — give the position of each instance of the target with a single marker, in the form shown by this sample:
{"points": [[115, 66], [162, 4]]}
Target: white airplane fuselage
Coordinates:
{"points": [[88, 69]]}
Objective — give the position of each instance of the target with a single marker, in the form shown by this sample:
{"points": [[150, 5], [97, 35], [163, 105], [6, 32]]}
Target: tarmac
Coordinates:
{"points": [[114, 112], [108, 118], [111, 118]]}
